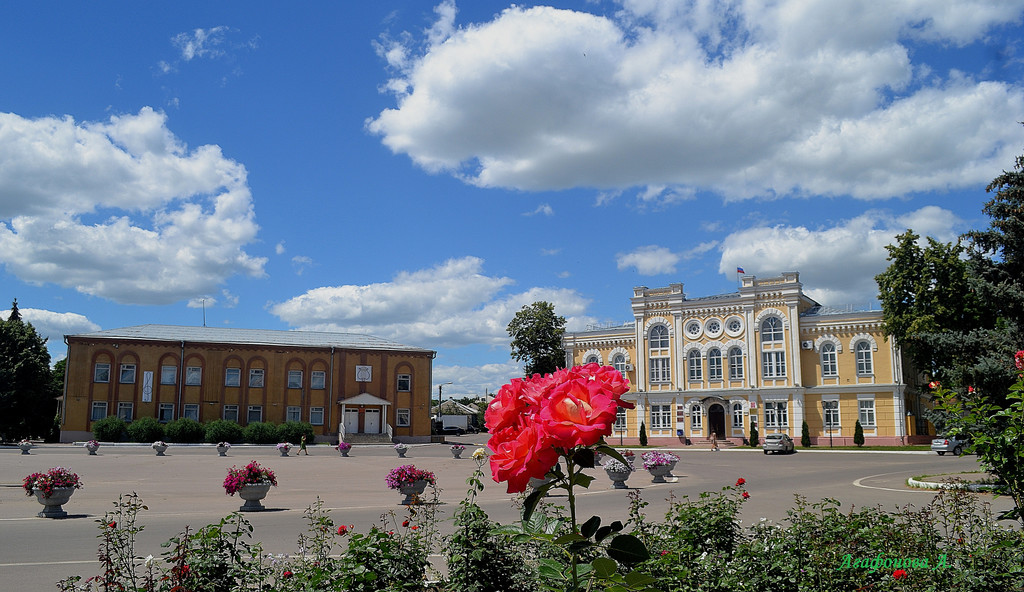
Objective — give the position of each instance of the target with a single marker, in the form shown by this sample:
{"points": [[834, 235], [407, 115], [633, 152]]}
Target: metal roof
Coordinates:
{"points": [[250, 337]]}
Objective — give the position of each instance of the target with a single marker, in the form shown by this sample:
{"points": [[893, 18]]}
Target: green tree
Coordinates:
{"points": [[754, 436], [536, 333], [805, 435], [643, 434], [27, 394], [858, 434]]}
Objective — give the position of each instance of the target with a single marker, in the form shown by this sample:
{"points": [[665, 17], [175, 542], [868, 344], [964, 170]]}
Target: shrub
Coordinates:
{"points": [[184, 429], [258, 432], [858, 434], [222, 430], [293, 431], [755, 439], [643, 434], [145, 429], [805, 435], [109, 429]]}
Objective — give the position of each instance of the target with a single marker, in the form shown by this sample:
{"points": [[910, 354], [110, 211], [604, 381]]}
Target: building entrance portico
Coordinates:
{"points": [[364, 414], [716, 419]]}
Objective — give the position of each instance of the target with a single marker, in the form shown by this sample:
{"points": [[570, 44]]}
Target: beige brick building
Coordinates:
{"points": [[766, 354], [339, 382]]}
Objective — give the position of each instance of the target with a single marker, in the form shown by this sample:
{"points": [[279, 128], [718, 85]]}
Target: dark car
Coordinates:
{"points": [[778, 443], [452, 431]]}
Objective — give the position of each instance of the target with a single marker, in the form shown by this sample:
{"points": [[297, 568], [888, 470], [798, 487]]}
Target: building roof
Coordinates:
{"points": [[250, 337]]}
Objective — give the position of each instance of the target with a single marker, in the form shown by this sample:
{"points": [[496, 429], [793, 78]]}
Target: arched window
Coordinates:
{"points": [[657, 345], [737, 415], [864, 362], [714, 364], [619, 361], [693, 365], [696, 418], [771, 330], [735, 363], [592, 360], [829, 367]]}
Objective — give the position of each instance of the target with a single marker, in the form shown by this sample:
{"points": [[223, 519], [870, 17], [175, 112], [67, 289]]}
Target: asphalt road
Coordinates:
{"points": [[184, 488]]}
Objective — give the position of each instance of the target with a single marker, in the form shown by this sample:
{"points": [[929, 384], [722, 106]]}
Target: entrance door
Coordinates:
{"points": [[371, 421], [351, 421], [716, 420]]}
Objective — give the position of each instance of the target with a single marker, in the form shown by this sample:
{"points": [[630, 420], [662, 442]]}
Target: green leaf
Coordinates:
{"points": [[590, 526], [626, 548], [532, 500], [604, 567], [602, 533], [584, 480], [568, 538], [584, 457], [636, 578]]}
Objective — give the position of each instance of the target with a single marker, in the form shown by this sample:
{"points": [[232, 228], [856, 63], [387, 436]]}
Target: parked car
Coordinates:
{"points": [[452, 431], [954, 444], [778, 443]]}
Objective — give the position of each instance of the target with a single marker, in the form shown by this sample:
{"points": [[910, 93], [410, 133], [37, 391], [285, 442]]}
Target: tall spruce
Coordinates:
{"points": [[27, 392]]}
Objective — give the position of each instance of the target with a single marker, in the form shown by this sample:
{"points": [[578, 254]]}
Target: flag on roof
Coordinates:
{"points": [[740, 270]]}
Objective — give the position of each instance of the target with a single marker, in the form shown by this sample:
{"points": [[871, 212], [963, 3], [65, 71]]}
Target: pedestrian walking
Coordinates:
{"points": [[302, 445]]}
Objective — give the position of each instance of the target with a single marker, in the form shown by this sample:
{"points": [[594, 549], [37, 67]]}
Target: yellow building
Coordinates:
{"points": [[342, 383], [766, 355]]}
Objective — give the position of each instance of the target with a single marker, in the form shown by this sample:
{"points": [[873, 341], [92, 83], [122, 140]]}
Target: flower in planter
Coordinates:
{"points": [[614, 466], [407, 475], [251, 474], [655, 458], [54, 478], [158, 444], [401, 446], [458, 447], [285, 446], [343, 446], [92, 443], [223, 444]]}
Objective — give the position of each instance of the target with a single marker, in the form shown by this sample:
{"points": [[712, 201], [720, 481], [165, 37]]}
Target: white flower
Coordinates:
{"points": [[479, 453], [149, 561]]}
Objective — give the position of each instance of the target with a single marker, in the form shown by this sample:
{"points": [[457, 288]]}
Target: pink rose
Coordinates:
{"points": [[518, 458], [578, 413], [507, 408]]}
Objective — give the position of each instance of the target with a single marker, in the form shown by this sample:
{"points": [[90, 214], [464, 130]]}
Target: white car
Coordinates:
{"points": [[778, 443], [954, 444]]}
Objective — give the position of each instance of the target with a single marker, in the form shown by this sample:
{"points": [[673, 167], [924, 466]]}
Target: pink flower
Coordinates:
{"points": [[934, 384], [521, 457], [578, 413], [1018, 359]]}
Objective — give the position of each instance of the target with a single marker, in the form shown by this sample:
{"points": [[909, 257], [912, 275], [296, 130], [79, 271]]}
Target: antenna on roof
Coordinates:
{"points": [[204, 312]]}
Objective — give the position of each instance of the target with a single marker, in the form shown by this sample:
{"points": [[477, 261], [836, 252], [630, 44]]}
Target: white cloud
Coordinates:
{"points": [[745, 99], [449, 305], [301, 263], [837, 264], [544, 209], [53, 326], [200, 43], [121, 209], [474, 381], [279, 248], [649, 260]]}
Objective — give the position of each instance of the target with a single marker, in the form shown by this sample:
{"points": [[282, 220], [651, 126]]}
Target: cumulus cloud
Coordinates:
{"points": [[649, 260], [543, 209], [839, 263], [449, 305], [743, 99], [121, 209], [474, 381], [201, 43], [53, 326]]}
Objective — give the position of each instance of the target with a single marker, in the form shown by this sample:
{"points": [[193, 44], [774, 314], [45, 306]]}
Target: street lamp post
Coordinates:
{"points": [[440, 414]]}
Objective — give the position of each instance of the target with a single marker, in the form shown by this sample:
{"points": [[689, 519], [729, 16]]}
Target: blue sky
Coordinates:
{"points": [[420, 171]]}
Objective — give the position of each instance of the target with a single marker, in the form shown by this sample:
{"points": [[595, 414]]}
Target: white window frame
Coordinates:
{"points": [[293, 413], [168, 375], [715, 365], [403, 383], [776, 414], [403, 417], [661, 370], [101, 372], [126, 410], [127, 375], [736, 363], [94, 414], [295, 379], [233, 377], [257, 377], [694, 366], [865, 361], [193, 375], [620, 420], [737, 415], [191, 411], [231, 413], [254, 409], [829, 361], [165, 412], [661, 417], [619, 362], [772, 330], [773, 364], [316, 416], [830, 416], [696, 417], [317, 380], [866, 412]]}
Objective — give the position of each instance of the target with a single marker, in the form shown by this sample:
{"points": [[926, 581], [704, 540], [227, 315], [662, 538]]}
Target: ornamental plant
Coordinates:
{"points": [[55, 478], [343, 446], [613, 466], [286, 446], [223, 444], [540, 422], [92, 443], [158, 444], [401, 446], [458, 447], [251, 474], [407, 475], [655, 458]]}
